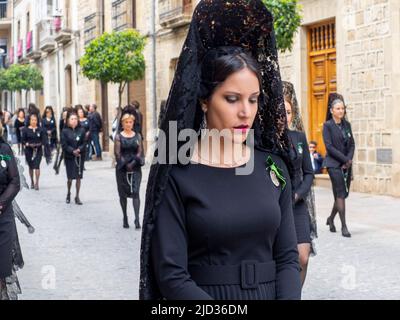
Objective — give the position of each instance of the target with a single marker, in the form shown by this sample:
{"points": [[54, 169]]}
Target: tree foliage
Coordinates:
{"points": [[115, 57], [287, 20]]}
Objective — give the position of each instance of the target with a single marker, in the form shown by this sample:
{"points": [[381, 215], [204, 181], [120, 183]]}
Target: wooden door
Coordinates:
{"points": [[322, 76]]}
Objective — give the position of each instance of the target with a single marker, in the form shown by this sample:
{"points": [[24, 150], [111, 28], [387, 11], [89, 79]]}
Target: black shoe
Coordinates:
{"points": [[32, 186], [126, 224], [345, 232], [68, 200], [329, 222], [137, 224], [78, 201]]}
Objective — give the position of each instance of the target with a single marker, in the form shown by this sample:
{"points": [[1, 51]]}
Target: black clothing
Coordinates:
{"points": [[95, 122], [61, 125], [50, 126], [9, 188], [340, 146], [19, 126], [242, 23], [339, 142], [130, 159], [85, 125], [34, 151], [301, 183], [221, 221], [39, 117], [72, 139]]}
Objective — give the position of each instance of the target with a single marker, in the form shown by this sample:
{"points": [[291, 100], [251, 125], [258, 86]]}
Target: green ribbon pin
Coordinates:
{"points": [[5, 157], [278, 171]]}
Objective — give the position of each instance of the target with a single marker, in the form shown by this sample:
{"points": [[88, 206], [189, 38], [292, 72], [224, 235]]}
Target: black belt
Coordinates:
{"points": [[249, 274]]}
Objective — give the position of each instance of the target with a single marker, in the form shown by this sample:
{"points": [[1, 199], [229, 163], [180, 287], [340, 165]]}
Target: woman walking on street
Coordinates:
{"points": [[49, 125], [130, 158], [19, 125], [303, 177], [34, 139], [340, 147], [73, 141]]}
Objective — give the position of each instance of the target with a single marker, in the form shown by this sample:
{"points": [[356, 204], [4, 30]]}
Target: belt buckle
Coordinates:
{"points": [[249, 266]]}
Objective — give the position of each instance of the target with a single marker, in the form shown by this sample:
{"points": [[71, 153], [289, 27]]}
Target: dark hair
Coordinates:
{"points": [[219, 63], [47, 109], [31, 115], [20, 110], [33, 109], [313, 142], [71, 112], [136, 104], [333, 99], [79, 107], [94, 106]]}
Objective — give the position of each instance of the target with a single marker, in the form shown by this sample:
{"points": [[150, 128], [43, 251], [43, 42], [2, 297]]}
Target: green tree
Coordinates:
{"points": [[20, 77], [115, 57], [287, 20]]}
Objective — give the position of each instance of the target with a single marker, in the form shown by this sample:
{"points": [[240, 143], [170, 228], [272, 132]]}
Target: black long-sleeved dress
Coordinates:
{"points": [[214, 230], [36, 138], [130, 159], [50, 126], [9, 188], [301, 183], [340, 147], [19, 125], [72, 139]]}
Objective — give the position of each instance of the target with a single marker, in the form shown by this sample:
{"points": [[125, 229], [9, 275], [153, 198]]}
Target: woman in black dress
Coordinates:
{"points": [[49, 124], [84, 123], [19, 125], [73, 141], [9, 188], [340, 147], [60, 154], [34, 139], [219, 222], [302, 179], [129, 157]]}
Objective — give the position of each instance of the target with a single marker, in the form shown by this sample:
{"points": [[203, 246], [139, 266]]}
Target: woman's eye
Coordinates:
{"points": [[231, 99], [254, 100]]}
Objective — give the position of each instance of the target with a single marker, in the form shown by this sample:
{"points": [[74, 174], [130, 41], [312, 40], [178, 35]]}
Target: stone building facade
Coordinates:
{"points": [[367, 73]]}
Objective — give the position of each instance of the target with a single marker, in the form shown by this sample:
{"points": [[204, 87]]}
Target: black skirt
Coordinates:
{"points": [[128, 184], [302, 222], [73, 170], [35, 162], [340, 183], [7, 238]]}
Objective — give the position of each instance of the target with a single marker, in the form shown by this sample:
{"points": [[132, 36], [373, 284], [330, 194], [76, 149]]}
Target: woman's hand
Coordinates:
{"points": [[76, 152]]}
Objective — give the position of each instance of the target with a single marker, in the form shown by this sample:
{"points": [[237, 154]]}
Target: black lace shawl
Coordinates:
{"points": [[215, 23]]}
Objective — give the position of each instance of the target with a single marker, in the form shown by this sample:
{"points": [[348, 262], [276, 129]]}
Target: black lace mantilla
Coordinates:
{"points": [[243, 23]]}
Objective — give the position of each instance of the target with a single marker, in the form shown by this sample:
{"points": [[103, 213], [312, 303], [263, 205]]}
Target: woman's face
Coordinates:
{"points": [[234, 105], [128, 124], [338, 111], [21, 114], [33, 121], [48, 113], [81, 114], [73, 121], [289, 113]]}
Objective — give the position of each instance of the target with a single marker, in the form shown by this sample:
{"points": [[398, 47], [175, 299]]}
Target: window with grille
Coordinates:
{"points": [[90, 28], [119, 15], [322, 37]]}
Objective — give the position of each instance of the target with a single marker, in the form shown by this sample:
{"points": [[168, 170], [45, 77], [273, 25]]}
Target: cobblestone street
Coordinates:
{"points": [[82, 252]]}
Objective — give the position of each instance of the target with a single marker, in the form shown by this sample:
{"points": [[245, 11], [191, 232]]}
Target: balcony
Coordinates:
{"points": [[174, 13], [46, 36], [63, 34]]}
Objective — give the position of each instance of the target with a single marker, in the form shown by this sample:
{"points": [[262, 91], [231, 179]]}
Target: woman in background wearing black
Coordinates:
{"points": [[49, 125], [130, 158], [303, 177], [340, 147], [19, 125], [9, 188], [34, 139], [73, 141]]}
